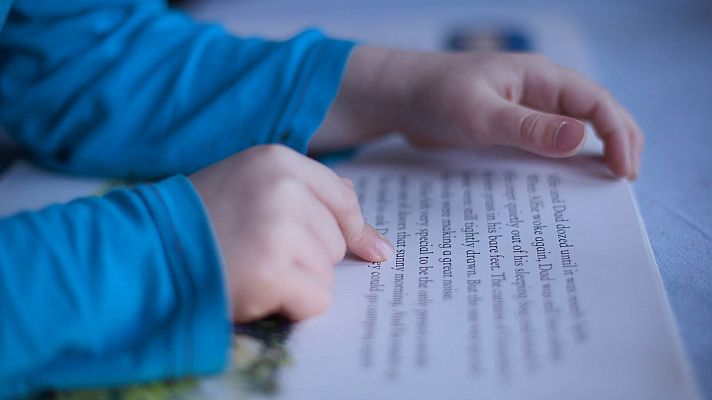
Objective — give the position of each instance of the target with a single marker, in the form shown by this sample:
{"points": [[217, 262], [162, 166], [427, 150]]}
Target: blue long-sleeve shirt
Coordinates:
{"points": [[129, 287]]}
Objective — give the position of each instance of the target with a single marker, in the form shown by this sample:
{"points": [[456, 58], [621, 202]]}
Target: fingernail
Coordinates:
{"points": [[384, 248], [568, 135]]}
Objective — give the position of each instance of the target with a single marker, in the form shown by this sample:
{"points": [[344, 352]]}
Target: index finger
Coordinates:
{"points": [[340, 198]]}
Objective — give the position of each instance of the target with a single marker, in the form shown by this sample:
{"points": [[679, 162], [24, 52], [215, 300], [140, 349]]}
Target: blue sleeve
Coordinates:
{"points": [[104, 291], [129, 88]]}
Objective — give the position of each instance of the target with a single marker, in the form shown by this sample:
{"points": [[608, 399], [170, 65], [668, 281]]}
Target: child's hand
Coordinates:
{"points": [[461, 99], [282, 222]]}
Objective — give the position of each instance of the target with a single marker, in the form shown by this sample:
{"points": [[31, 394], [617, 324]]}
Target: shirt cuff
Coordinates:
{"points": [[203, 334], [323, 68]]}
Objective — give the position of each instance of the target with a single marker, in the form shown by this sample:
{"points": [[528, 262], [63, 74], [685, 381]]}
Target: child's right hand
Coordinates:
{"points": [[282, 221]]}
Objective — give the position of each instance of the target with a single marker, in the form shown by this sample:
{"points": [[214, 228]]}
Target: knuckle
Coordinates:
{"points": [[527, 128], [270, 151]]}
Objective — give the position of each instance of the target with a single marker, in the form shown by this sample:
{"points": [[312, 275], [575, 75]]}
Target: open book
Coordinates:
{"points": [[514, 277]]}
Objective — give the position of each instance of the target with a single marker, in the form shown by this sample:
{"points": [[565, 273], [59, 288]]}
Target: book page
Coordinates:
{"points": [[514, 277]]}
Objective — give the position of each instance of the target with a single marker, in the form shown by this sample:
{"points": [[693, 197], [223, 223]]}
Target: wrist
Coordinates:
{"points": [[369, 103]]}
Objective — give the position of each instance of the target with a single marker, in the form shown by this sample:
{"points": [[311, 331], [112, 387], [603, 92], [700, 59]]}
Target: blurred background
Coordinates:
{"points": [[654, 56]]}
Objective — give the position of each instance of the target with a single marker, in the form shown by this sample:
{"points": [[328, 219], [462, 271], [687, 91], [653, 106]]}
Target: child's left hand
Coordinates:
{"points": [[477, 99]]}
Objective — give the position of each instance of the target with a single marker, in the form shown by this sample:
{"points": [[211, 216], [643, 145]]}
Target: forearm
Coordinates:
{"points": [[130, 89], [106, 291]]}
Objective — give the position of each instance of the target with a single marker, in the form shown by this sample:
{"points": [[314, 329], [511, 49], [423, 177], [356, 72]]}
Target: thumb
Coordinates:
{"points": [[549, 135]]}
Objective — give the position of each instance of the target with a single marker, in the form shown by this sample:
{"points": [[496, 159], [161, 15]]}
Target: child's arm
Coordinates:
{"points": [[129, 287], [128, 88], [475, 99], [112, 290]]}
